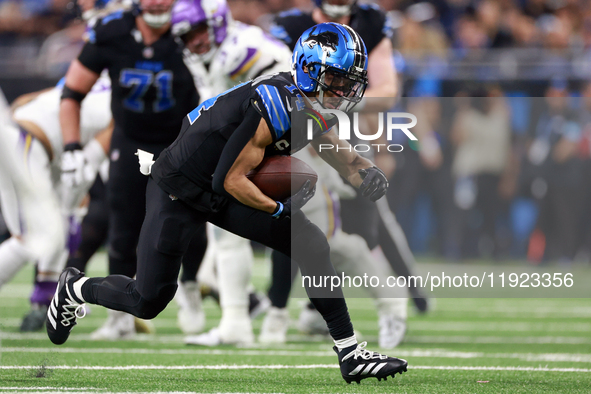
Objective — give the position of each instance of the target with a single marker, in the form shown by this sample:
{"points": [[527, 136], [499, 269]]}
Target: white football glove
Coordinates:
{"points": [[73, 163], [79, 170]]}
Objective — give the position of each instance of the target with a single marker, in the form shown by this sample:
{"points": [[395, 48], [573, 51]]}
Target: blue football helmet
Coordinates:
{"points": [[331, 57]]}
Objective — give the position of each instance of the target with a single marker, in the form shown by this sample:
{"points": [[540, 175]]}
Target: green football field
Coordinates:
{"points": [[462, 346]]}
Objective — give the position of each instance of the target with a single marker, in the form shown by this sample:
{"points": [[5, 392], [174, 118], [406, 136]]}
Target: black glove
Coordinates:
{"points": [[375, 183], [295, 202]]}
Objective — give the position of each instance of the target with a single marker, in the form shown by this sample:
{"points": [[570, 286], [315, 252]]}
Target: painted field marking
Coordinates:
{"points": [[52, 388], [441, 339], [433, 353], [280, 366]]}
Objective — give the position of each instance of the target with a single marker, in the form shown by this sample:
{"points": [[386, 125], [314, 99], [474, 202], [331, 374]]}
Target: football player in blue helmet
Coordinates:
{"points": [[202, 177], [329, 63], [375, 28]]}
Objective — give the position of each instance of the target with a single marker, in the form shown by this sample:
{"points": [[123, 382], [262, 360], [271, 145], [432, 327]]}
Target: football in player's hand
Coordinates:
{"points": [[279, 177]]}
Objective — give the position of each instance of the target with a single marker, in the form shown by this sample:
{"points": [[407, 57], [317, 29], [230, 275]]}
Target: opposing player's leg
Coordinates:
{"points": [[234, 261], [32, 213], [276, 322], [191, 317], [93, 228], [350, 255], [167, 230], [395, 247]]}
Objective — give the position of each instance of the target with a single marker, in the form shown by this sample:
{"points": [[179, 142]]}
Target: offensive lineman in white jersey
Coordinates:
{"points": [[36, 204], [220, 53]]}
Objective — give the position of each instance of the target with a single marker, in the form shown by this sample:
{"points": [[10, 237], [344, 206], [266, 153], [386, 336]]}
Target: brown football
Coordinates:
{"points": [[280, 176]]}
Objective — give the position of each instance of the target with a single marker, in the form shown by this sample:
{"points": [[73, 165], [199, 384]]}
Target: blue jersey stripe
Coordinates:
{"points": [[275, 109], [207, 104]]}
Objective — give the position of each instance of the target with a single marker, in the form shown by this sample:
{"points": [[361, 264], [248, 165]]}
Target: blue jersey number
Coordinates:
{"points": [[139, 81]]}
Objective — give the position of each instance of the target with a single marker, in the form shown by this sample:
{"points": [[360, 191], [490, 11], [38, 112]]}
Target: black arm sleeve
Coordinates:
{"points": [[91, 58], [234, 146]]}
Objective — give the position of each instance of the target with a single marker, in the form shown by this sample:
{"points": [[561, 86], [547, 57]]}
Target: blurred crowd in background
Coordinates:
{"points": [[483, 39], [501, 169]]}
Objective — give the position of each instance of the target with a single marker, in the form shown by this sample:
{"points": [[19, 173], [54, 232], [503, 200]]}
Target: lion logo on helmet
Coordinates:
{"points": [[327, 40]]}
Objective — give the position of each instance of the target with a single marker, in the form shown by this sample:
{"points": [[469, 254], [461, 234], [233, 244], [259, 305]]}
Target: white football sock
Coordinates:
{"points": [[13, 257], [393, 306], [77, 286], [234, 260], [345, 343]]}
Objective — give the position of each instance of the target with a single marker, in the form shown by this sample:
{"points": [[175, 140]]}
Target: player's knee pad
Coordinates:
{"points": [[149, 308]]}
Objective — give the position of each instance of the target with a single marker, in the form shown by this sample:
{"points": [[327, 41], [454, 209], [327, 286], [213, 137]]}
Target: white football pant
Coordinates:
{"points": [[30, 206]]}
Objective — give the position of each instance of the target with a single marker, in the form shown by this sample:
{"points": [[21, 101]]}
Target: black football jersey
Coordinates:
{"points": [[366, 19], [152, 88], [186, 167]]}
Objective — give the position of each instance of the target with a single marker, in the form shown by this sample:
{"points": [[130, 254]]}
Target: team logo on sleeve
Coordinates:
{"points": [[327, 40]]}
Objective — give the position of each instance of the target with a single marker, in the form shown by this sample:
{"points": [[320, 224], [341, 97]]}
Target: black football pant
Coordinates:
{"points": [[126, 198], [166, 233]]}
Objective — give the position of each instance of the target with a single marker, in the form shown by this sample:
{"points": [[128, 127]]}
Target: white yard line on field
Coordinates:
{"points": [[280, 366], [433, 353], [52, 389], [440, 339], [484, 326], [438, 326], [498, 339]]}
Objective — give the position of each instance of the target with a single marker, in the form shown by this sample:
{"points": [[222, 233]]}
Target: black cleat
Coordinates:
{"points": [[419, 299], [257, 304], [359, 364], [35, 319], [65, 307]]}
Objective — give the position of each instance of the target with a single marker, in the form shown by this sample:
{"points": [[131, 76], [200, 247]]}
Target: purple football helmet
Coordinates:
{"points": [[188, 14]]}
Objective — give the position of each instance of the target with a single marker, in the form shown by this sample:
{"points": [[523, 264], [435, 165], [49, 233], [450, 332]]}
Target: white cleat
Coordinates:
{"points": [[210, 338], [392, 331], [191, 317], [215, 337], [119, 325], [236, 331], [275, 326], [311, 322]]}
